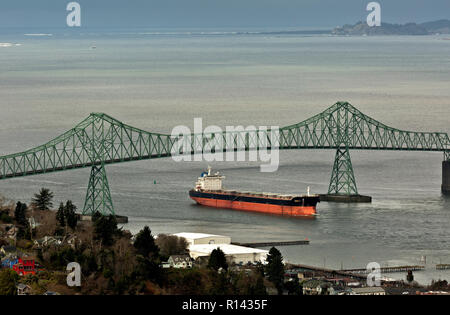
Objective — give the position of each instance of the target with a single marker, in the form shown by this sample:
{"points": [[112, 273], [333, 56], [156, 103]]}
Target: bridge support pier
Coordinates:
{"points": [[342, 179], [98, 196], [343, 183], [446, 174]]}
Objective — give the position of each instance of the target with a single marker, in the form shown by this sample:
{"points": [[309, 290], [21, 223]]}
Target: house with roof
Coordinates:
{"points": [[180, 261], [12, 232], [48, 241], [72, 240], [344, 281], [339, 290], [25, 266], [8, 250], [9, 262], [316, 287], [368, 291], [23, 289]]}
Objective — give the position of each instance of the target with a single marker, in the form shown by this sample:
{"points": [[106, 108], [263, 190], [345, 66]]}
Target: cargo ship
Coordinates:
{"points": [[209, 192]]}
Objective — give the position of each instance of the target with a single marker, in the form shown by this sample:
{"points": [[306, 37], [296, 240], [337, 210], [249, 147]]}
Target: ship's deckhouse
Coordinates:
{"points": [[209, 182]]}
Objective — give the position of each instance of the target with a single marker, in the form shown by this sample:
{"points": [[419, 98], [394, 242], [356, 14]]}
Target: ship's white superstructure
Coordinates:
{"points": [[209, 182]]}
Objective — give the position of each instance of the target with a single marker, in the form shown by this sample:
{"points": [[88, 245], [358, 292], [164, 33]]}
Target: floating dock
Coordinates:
{"points": [[270, 244], [345, 198]]}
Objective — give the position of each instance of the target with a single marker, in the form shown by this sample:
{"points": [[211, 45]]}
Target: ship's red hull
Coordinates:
{"points": [[257, 207]]}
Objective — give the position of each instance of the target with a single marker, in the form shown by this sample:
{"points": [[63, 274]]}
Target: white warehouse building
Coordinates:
{"points": [[201, 238], [201, 245]]}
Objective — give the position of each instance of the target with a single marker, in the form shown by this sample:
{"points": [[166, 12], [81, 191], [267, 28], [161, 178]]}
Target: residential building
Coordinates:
{"points": [[12, 232], [23, 289], [180, 261], [368, 291], [315, 287], [25, 266], [8, 250], [9, 262], [48, 241]]}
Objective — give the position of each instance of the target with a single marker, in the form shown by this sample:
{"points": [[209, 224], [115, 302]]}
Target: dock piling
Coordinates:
{"points": [[446, 177]]}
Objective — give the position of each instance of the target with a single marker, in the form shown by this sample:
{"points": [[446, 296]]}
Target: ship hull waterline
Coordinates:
{"points": [[268, 208]]}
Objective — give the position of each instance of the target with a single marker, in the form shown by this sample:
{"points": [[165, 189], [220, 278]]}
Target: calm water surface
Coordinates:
{"points": [[156, 81]]}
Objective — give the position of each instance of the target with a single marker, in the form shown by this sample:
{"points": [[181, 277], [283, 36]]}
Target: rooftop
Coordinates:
{"points": [[228, 249], [368, 290], [9, 248], [180, 258], [196, 235]]}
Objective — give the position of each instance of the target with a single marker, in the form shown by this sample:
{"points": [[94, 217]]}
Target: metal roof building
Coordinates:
{"points": [[201, 238], [236, 254], [201, 245]]}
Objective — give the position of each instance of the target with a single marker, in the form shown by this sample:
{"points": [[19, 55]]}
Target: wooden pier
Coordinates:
{"points": [[270, 244], [360, 274], [387, 269], [442, 266], [330, 272]]}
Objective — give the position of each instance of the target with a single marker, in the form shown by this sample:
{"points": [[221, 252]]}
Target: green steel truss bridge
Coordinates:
{"points": [[100, 140]]}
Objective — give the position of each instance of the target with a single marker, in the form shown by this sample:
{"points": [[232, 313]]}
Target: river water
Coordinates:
{"points": [[158, 79]]}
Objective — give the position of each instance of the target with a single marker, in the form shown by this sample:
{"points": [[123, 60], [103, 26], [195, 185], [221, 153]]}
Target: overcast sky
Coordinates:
{"points": [[216, 13]]}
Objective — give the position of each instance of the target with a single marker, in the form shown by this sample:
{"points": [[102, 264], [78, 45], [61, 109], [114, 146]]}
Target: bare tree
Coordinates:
{"points": [[172, 245]]}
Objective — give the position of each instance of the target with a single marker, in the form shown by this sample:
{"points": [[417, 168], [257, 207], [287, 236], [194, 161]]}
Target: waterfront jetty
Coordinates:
{"points": [[386, 269], [345, 198], [120, 218], [446, 175], [270, 244], [326, 271], [442, 266]]}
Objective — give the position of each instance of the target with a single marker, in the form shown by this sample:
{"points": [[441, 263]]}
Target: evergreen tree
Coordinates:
{"points": [[145, 243], [260, 288], [293, 287], [8, 280], [70, 214], [410, 276], [43, 200], [60, 215], [105, 228], [20, 214], [275, 269], [148, 260], [220, 284], [148, 269], [217, 260]]}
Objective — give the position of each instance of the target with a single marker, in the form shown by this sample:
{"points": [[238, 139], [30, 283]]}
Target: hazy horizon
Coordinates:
{"points": [[206, 14]]}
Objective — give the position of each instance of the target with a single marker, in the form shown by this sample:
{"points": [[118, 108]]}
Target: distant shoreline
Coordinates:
{"points": [[439, 27]]}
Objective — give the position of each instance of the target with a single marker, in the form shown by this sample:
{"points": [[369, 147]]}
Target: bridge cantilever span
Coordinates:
{"points": [[100, 140]]}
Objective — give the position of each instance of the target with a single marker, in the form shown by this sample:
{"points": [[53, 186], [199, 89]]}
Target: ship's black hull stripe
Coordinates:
{"points": [[296, 202]]}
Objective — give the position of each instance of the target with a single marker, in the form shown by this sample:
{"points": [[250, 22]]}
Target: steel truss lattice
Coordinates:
{"points": [[100, 140], [342, 178], [98, 196]]}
